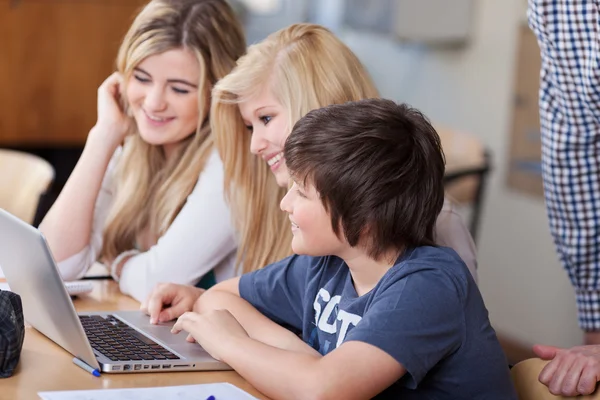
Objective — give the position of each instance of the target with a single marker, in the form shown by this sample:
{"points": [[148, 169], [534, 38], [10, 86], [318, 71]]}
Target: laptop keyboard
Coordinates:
{"points": [[119, 342]]}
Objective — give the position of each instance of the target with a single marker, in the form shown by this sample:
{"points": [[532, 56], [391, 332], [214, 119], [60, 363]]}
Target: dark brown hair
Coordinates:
{"points": [[378, 168]]}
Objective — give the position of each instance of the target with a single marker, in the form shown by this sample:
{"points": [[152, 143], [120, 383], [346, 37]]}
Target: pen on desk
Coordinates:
{"points": [[86, 367]]}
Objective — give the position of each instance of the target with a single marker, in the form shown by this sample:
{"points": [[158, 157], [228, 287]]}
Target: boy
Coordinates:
{"points": [[379, 309]]}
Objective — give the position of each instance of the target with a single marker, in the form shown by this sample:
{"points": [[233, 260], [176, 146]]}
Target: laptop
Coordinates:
{"points": [[111, 342]]}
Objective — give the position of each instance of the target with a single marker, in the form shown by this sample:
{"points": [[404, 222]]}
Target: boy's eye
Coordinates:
{"points": [[265, 119], [300, 193], [180, 91], [140, 78]]}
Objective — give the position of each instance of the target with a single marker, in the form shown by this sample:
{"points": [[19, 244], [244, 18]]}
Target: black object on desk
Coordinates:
{"points": [[12, 332]]}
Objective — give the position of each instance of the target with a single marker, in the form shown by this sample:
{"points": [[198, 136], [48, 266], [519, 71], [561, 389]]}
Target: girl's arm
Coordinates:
{"points": [[68, 225], [200, 239]]}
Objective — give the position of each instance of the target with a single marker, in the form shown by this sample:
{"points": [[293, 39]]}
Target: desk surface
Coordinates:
{"points": [[45, 366]]}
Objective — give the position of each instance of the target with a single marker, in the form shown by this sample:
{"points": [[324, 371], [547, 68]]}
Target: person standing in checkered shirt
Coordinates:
{"points": [[569, 38], [568, 33]]}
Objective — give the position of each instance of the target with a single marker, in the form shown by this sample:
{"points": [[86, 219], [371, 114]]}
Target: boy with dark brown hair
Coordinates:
{"points": [[380, 310]]}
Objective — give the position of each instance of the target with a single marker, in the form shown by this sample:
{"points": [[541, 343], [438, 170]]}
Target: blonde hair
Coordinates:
{"points": [[149, 190], [306, 67]]}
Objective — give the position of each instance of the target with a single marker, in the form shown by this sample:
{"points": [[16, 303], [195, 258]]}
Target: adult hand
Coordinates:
{"points": [[211, 330], [169, 300], [570, 372]]}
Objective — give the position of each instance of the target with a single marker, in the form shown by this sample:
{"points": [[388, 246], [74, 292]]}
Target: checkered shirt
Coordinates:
{"points": [[12, 332], [568, 34]]}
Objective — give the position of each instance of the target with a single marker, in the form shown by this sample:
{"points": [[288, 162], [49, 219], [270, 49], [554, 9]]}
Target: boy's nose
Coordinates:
{"points": [[286, 203]]}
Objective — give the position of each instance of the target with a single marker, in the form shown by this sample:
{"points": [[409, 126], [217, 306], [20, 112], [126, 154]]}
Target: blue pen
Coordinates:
{"points": [[211, 398], [86, 367]]}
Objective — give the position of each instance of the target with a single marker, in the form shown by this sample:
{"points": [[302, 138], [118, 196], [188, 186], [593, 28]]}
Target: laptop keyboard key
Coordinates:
{"points": [[138, 335]]}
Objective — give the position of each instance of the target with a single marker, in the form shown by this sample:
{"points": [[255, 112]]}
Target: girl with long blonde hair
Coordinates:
{"points": [[293, 71], [146, 197]]}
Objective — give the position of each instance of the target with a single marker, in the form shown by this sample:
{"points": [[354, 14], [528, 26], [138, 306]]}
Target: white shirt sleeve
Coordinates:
{"points": [[451, 231], [201, 238], [75, 266]]}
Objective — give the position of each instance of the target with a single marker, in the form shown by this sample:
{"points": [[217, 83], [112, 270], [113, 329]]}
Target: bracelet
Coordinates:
{"points": [[117, 261]]}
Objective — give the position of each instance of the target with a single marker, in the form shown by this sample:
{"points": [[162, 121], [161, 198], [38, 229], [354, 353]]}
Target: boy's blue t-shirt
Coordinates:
{"points": [[426, 312]]}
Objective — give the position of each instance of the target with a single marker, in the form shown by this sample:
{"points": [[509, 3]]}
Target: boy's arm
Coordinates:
{"points": [[169, 300], [265, 298], [411, 325], [356, 370], [229, 286], [226, 296]]}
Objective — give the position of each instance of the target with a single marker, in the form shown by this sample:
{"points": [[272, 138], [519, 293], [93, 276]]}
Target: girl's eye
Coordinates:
{"points": [[141, 78], [180, 91], [265, 119]]}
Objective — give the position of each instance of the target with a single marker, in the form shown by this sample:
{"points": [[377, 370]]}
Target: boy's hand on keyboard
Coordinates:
{"points": [[212, 330], [169, 300]]}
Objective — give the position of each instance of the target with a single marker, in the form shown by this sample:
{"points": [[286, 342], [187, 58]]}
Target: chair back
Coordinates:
{"points": [[24, 178], [467, 168]]}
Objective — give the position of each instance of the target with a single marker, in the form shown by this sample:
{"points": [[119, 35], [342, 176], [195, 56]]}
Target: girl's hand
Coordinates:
{"points": [[113, 124]]}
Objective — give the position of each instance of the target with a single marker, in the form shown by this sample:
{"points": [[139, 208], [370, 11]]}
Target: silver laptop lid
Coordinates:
{"points": [[31, 272]]}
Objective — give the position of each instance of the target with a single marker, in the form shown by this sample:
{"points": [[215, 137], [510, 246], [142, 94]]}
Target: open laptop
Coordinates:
{"points": [[115, 342]]}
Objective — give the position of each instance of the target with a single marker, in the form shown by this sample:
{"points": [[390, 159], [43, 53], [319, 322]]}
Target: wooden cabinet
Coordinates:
{"points": [[53, 56]]}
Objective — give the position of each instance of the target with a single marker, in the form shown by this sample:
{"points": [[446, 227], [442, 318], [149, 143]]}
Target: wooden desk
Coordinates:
{"points": [[45, 366]]}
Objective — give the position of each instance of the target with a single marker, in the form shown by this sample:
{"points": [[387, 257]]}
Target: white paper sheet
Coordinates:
{"points": [[220, 391]]}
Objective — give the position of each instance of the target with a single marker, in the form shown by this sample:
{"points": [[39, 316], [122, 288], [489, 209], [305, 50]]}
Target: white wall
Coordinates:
{"points": [[526, 290]]}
